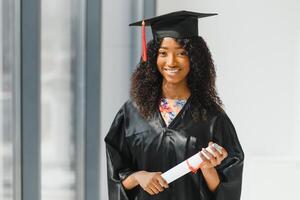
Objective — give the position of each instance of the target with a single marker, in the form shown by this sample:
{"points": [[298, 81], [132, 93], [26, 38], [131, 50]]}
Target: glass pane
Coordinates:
{"points": [[62, 109], [9, 90]]}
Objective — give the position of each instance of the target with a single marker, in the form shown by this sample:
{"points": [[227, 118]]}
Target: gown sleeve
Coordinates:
{"points": [[119, 162], [231, 168]]}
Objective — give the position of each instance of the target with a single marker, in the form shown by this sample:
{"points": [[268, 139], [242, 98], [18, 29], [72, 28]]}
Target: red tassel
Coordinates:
{"points": [[144, 45]]}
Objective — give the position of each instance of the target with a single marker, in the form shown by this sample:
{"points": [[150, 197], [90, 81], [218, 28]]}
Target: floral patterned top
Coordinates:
{"points": [[169, 108]]}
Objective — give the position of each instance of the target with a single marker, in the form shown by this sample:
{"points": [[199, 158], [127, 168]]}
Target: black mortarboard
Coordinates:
{"points": [[180, 24]]}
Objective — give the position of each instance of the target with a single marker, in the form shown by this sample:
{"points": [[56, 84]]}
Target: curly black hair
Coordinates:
{"points": [[146, 81]]}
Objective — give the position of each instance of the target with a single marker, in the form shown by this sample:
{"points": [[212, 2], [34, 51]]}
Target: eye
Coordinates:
{"points": [[162, 53], [182, 53]]}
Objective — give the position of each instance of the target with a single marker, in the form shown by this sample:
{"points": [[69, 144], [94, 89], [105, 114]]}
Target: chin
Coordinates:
{"points": [[173, 80]]}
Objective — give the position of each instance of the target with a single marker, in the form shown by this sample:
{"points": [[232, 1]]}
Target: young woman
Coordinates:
{"points": [[174, 112]]}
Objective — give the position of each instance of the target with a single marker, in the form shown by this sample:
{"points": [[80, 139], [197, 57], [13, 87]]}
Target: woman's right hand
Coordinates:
{"points": [[151, 182]]}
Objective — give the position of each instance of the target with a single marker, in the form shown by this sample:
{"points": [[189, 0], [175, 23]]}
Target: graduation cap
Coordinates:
{"points": [[180, 24]]}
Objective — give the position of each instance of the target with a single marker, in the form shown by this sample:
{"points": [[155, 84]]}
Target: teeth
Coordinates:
{"points": [[171, 70]]}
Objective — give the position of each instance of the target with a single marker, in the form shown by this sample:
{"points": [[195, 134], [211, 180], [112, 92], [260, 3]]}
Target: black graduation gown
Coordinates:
{"points": [[135, 144]]}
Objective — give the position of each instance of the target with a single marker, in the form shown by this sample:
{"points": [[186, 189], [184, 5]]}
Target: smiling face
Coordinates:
{"points": [[173, 62]]}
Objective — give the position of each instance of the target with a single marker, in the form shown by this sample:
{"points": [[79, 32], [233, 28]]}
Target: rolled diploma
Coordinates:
{"points": [[183, 168]]}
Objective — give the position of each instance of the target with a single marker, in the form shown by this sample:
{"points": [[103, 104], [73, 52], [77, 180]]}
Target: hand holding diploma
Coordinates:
{"points": [[155, 182], [151, 182], [206, 158]]}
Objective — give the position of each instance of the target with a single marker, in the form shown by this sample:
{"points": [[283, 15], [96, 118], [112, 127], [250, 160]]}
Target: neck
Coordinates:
{"points": [[175, 91]]}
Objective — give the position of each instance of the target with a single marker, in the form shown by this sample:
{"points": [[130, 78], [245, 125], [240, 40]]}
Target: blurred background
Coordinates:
{"points": [[65, 72]]}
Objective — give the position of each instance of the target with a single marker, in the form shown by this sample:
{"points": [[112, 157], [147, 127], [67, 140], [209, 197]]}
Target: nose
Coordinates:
{"points": [[171, 61]]}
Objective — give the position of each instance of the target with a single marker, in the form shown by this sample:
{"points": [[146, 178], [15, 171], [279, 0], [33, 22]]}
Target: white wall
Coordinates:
{"points": [[256, 48]]}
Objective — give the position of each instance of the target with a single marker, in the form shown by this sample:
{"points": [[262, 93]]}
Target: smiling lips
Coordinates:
{"points": [[171, 70]]}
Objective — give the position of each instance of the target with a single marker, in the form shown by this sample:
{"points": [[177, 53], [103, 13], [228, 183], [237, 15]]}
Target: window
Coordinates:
{"points": [[9, 100], [62, 99]]}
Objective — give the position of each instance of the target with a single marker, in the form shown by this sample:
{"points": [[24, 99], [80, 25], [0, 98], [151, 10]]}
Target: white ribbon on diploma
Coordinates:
{"points": [[185, 167]]}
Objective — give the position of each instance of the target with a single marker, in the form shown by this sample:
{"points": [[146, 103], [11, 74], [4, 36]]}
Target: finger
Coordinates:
{"points": [[210, 150], [215, 152], [205, 163], [203, 157], [207, 154], [158, 186], [162, 182], [217, 147], [221, 156], [221, 153], [225, 153], [149, 191], [154, 189], [204, 154], [211, 158], [156, 183]]}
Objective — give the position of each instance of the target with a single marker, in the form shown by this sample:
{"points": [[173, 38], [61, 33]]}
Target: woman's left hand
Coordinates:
{"points": [[212, 160]]}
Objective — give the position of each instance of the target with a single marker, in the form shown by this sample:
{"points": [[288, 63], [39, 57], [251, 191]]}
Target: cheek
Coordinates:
{"points": [[160, 62], [187, 66]]}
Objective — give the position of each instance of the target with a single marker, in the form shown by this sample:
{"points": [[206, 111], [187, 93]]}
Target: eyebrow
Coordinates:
{"points": [[168, 48]]}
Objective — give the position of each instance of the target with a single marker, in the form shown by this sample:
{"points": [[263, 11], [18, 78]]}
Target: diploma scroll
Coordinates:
{"points": [[187, 166]]}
